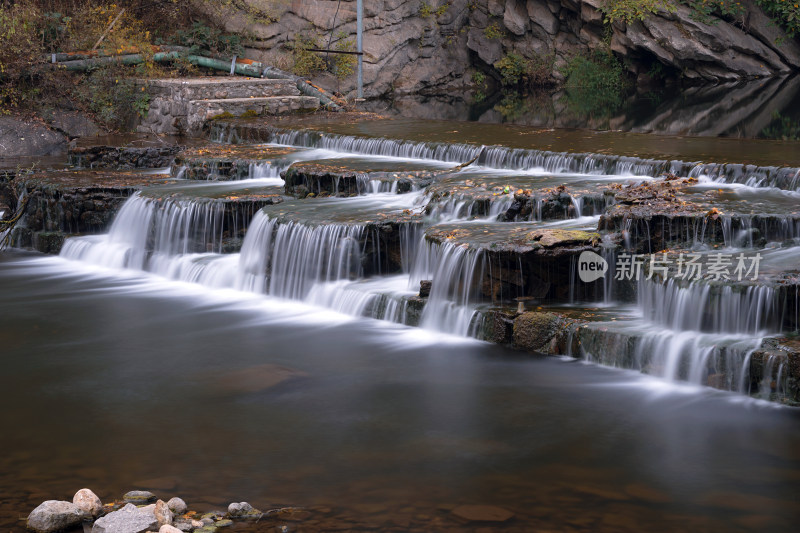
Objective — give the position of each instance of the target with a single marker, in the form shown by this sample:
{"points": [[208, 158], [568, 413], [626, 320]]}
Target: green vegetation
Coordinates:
{"points": [[784, 13], [115, 100], [782, 127], [305, 62], [631, 10], [511, 68], [702, 10], [493, 31], [595, 84], [202, 39], [517, 71], [20, 50], [344, 65], [427, 10]]}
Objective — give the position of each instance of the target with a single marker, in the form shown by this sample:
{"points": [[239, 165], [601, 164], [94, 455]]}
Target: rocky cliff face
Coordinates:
{"points": [[434, 46]]}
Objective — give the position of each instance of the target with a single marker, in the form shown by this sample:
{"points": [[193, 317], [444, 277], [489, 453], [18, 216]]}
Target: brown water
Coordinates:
{"points": [[684, 148], [117, 382]]}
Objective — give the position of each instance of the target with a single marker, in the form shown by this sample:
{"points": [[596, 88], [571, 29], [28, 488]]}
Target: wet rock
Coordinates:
{"points": [[227, 162], [139, 497], [777, 356], [534, 330], [123, 157], [177, 506], [129, 519], [162, 513], [498, 326], [520, 261], [65, 203], [88, 501], [243, 510], [674, 212], [183, 525], [425, 288], [223, 523], [53, 515], [482, 513]]}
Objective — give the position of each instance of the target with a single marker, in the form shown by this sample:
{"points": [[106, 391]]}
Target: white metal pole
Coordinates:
{"points": [[360, 45]]}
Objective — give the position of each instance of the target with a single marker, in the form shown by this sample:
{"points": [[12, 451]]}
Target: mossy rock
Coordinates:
{"points": [[534, 330]]}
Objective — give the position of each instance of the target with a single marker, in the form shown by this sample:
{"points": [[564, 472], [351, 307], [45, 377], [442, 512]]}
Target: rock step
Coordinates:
{"points": [[220, 88]]}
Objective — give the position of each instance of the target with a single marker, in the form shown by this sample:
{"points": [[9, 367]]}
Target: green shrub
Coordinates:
{"points": [[515, 70], [201, 39], [20, 51], [595, 84], [305, 62], [343, 65], [631, 10], [600, 70], [115, 100], [784, 13], [493, 31], [512, 68]]}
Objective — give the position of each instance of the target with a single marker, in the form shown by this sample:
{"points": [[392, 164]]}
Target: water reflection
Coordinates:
{"points": [[768, 109]]}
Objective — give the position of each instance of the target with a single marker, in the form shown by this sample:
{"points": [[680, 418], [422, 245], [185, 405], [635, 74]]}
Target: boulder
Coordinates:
{"points": [[515, 17], [129, 519], [541, 14], [87, 501], [54, 515], [534, 330], [27, 137]]}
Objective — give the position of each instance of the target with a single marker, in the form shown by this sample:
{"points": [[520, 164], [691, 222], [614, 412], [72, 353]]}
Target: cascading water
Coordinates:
{"points": [[500, 157], [454, 271], [697, 332]]}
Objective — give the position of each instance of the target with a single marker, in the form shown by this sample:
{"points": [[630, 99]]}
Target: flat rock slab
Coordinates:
{"points": [[228, 162], [77, 180], [521, 259], [665, 213], [516, 238], [353, 176], [129, 519]]}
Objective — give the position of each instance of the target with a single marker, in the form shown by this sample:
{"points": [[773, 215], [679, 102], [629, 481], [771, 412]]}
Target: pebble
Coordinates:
{"points": [[87, 501], [177, 506], [139, 497], [166, 528]]}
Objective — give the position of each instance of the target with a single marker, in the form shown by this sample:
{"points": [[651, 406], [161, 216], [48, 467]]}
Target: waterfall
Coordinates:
{"points": [[455, 271], [500, 157]]}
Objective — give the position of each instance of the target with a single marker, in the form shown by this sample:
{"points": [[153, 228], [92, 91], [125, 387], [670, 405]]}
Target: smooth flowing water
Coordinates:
{"points": [[120, 381], [221, 349]]}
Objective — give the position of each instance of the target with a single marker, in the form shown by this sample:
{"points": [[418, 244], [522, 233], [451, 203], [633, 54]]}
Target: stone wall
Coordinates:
{"points": [[413, 49], [179, 106]]}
